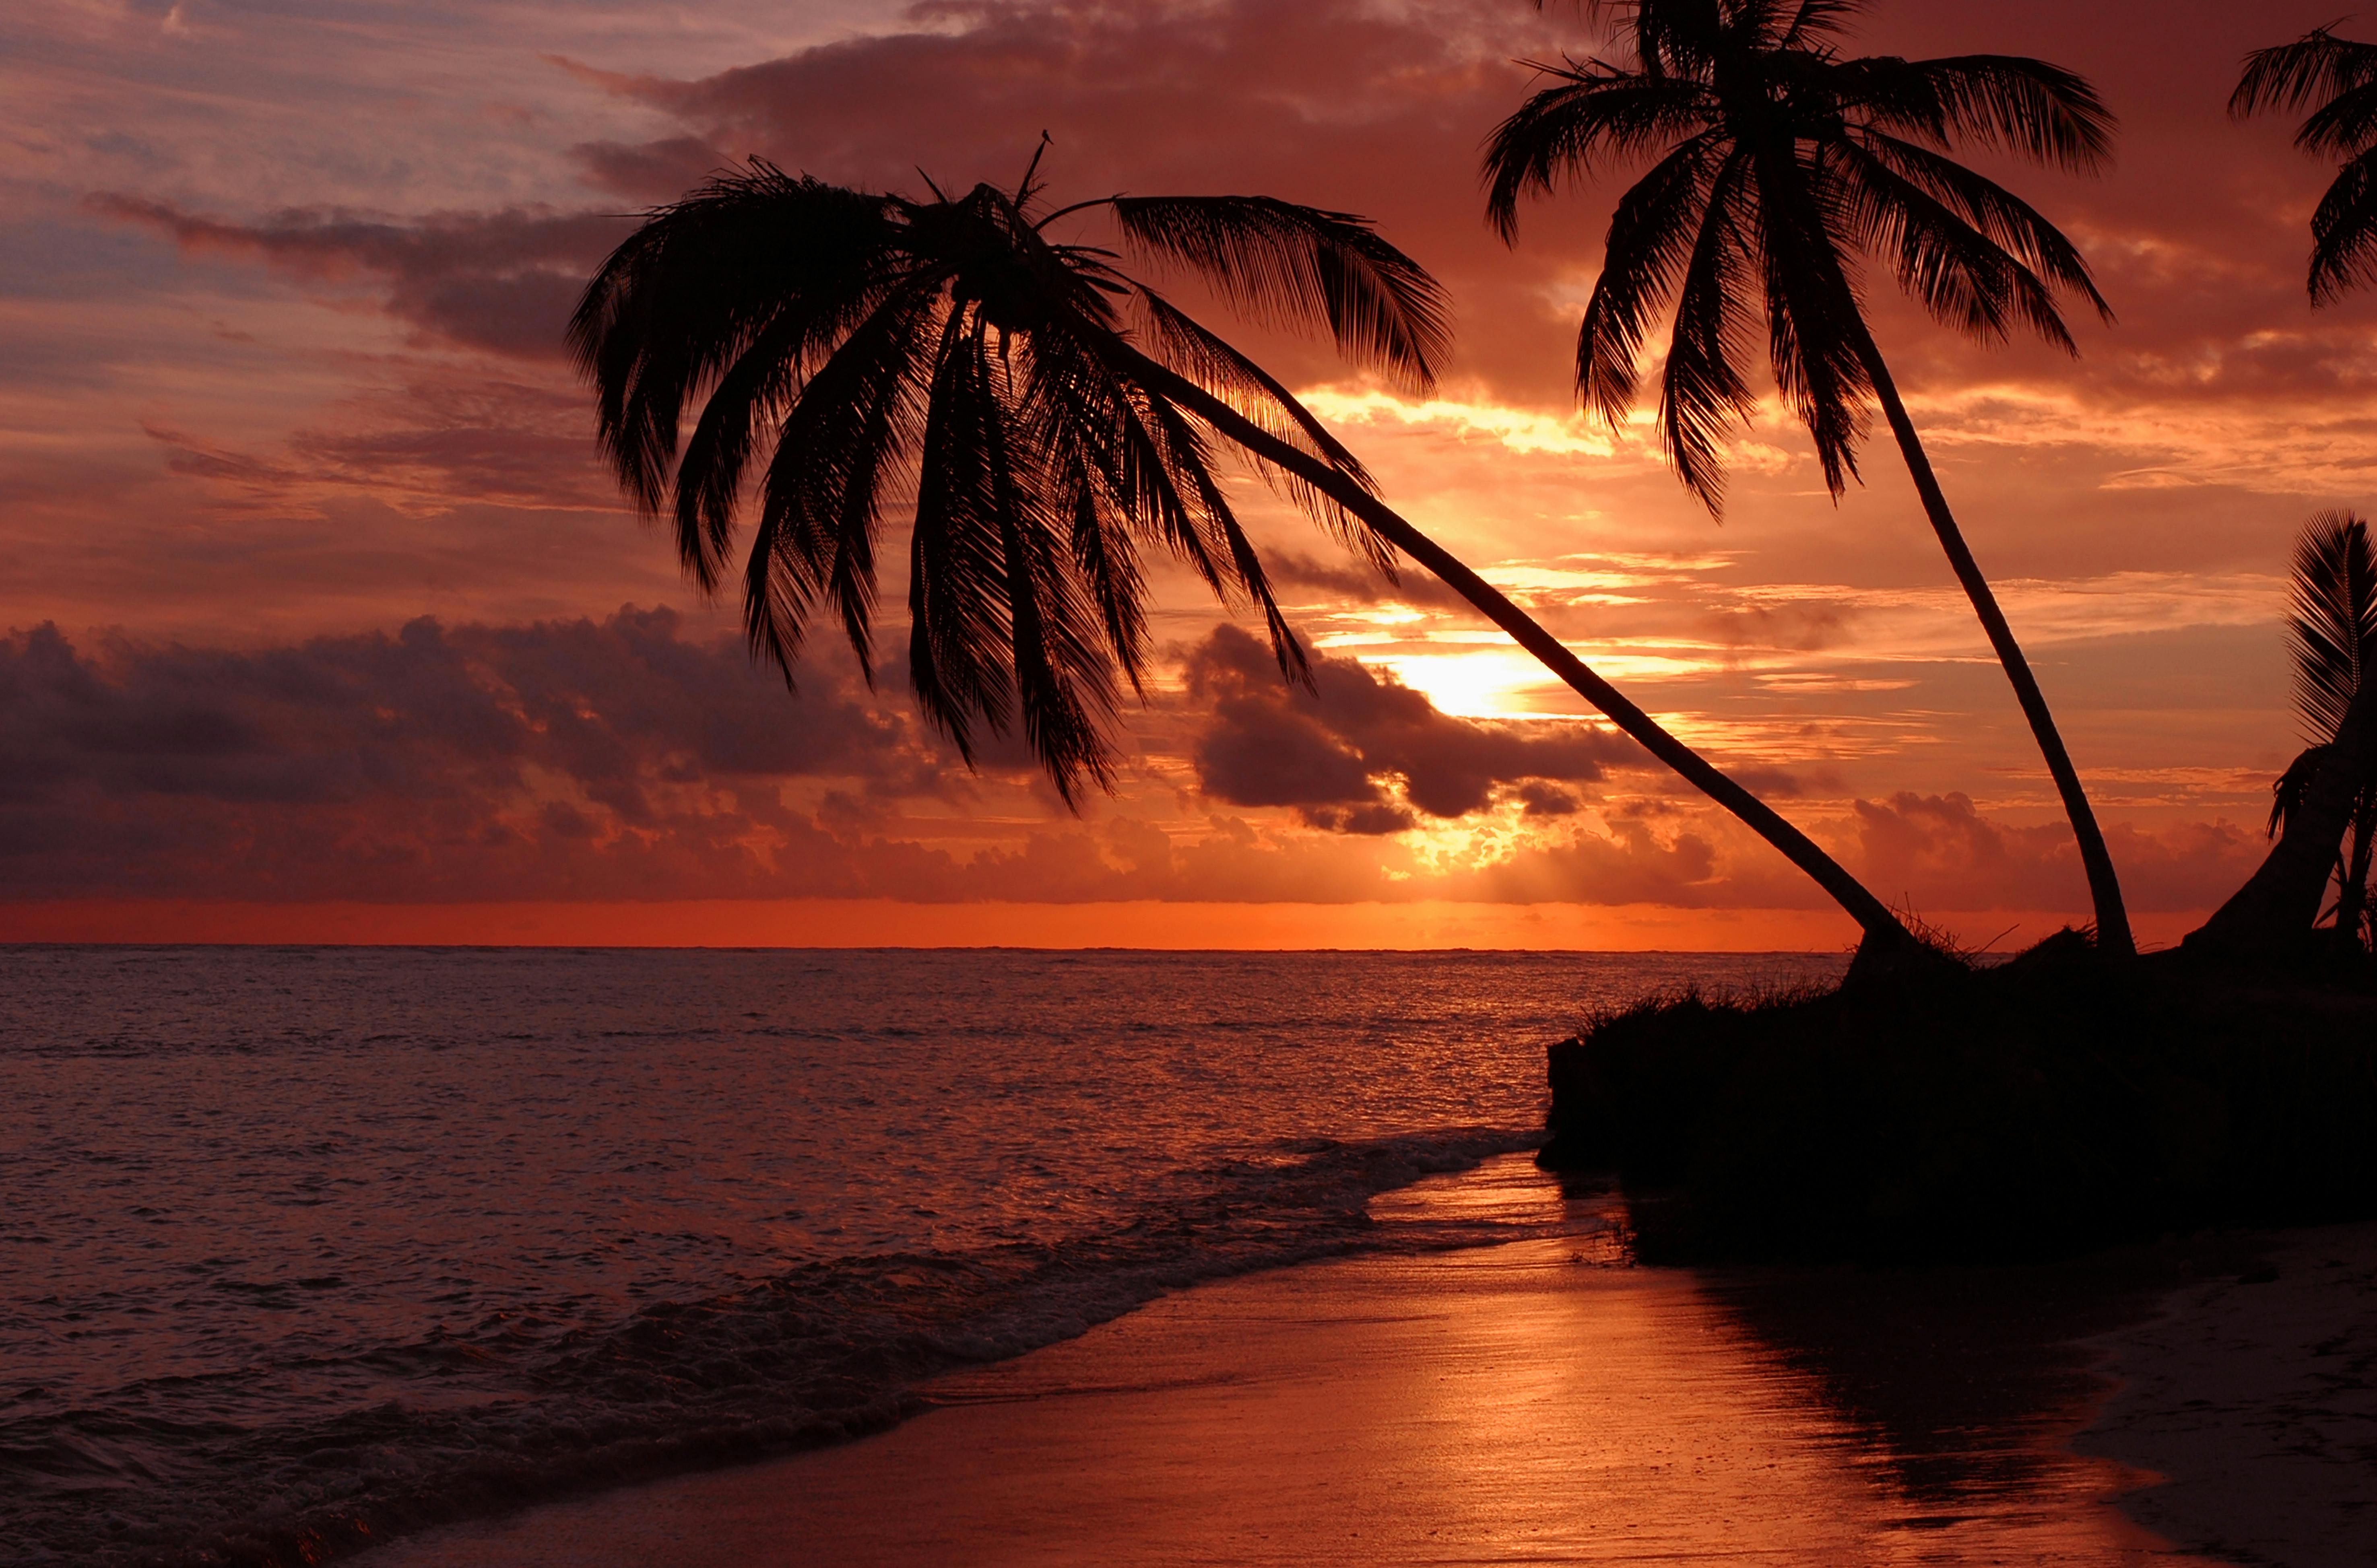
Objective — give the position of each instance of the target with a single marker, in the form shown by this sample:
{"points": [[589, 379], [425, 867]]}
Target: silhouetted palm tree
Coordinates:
{"points": [[2282, 898], [1046, 415], [2332, 638], [1778, 163]]}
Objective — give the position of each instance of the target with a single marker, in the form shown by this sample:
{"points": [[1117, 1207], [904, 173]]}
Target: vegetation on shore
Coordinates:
{"points": [[2051, 1104]]}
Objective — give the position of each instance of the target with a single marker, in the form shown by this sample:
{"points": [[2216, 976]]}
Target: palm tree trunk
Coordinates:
{"points": [[2271, 914], [2352, 888], [1887, 943], [2113, 936]]}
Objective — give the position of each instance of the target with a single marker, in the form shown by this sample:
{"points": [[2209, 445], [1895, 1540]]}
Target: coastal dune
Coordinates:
{"points": [[1525, 1403]]}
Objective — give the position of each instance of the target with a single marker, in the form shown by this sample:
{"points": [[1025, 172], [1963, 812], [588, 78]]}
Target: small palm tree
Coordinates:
{"points": [[2332, 638], [1778, 163], [2336, 79], [1043, 415]]}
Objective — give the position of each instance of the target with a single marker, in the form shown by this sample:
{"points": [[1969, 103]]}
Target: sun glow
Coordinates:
{"points": [[1516, 429]]}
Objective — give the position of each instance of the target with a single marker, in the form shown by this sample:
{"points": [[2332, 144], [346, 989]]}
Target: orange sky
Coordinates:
{"points": [[313, 591]]}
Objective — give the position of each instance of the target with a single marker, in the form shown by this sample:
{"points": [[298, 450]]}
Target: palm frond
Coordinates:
{"points": [[1062, 668], [2332, 631], [1702, 394], [849, 438], [2344, 232], [689, 291], [2007, 222], [1815, 20], [960, 647], [946, 353], [2345, 126], [1301, 266], [1962, 276], [1594, 114], [2286, 795], [2026, 107], [1652, 236], [1183, 344], [1814, 315], [2289, 76]]}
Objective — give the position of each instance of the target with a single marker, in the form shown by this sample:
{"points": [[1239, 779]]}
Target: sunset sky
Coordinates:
{"points": [[322, 621]]}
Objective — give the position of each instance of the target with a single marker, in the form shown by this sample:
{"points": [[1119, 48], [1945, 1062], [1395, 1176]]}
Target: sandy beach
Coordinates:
{"points": [[2253, 1396], [1529, 1404]]}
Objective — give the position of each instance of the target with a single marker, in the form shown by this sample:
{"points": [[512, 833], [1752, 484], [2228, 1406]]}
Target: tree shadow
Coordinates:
{"points": [[1964, 1384]]}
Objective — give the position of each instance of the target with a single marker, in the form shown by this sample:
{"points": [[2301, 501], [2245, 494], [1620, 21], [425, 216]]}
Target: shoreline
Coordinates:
{"points": [[1511, 1402], [2248, 1402]]}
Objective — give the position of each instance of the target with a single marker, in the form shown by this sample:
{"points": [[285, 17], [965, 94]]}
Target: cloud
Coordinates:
{"points": [[1939, 852], [437, 762], [626, 759], [1361, 752], [503, 280]]}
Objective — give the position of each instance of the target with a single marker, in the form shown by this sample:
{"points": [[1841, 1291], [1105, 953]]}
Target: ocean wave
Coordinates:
{"points": [[214, 1471]]}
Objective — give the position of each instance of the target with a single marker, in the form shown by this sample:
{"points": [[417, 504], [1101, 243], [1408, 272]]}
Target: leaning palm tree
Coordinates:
{"points": [[2332, 641], [1043, 416], [1778, 164], [2336, 79]]}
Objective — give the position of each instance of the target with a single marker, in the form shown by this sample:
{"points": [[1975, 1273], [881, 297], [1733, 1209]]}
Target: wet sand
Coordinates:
{"points": [[2253, 1395], [1516, 1404]]}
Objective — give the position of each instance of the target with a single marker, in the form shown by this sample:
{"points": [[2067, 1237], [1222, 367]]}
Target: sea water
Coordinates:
{"points": [[303, 1247]]}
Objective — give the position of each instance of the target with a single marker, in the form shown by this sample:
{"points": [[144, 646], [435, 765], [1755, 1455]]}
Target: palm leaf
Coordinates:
{"points": [[2332, 631], [2289, 76], [2026, 107], [1897, 171], [960, 647], [1596, 113], [1652, 237], [852, 432], [691, 290], [1701, 392], [1301, 266], [1962, 275]]}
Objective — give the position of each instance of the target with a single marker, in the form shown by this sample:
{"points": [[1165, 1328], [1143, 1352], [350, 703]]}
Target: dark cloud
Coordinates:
{"points": [[1340, 103], [651, 172], [439, 441], [1335, 583], [501, 280], [1340, 753], [437, 762], [622, 759], [1939, 852]]}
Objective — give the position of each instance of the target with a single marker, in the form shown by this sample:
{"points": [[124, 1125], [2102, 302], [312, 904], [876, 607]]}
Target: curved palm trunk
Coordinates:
{"points": [[2104, 886], [1887, 942], [2352, 890], [2271, 914]]}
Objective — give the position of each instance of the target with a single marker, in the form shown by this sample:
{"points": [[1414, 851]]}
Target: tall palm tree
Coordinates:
{"points": [[2332, 640], [1778, 164], [2336, 79], [1045, 415]]}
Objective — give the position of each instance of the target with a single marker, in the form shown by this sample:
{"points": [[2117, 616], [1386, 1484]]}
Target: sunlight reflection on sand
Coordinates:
{"points": [[1528, 1403]]}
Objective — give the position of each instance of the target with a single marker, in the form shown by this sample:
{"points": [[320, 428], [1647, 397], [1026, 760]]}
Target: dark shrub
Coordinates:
{"points": [[2044, 1106]]}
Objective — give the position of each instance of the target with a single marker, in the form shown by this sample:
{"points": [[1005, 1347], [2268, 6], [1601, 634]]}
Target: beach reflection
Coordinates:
{"points": [[1527, 1402]]}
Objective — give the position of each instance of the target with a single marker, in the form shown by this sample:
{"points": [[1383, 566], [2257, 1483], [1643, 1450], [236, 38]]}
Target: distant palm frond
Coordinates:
{"points": [[2331, 633], [2332, 642]]}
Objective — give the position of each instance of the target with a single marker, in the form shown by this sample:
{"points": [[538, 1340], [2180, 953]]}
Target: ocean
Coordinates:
{"points": [[301, 1248]]}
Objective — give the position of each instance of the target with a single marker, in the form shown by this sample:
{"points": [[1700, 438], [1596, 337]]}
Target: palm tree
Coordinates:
{"points": [[2332, 638], [2281, 900], [1047, 417], [1779, 163]]}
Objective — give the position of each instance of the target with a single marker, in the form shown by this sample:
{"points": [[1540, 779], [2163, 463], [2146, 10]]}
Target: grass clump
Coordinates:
{"points": [[2048, 1105]]}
